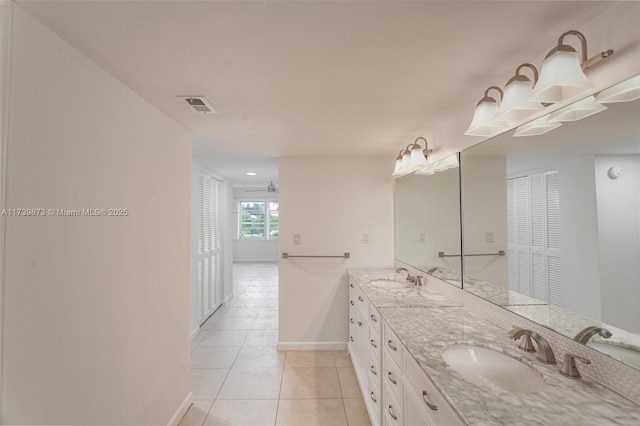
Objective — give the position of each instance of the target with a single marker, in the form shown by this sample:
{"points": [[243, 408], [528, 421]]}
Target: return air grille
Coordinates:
{"points": [[198, 104]]}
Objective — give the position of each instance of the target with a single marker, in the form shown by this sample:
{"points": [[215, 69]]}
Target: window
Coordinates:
{"points": [[259, 219]]}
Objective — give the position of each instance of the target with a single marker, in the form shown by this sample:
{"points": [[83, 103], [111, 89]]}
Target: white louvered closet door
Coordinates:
{"points": [[512, 232], [554, 277], [209, 230], [539, 288], [523, 236]]}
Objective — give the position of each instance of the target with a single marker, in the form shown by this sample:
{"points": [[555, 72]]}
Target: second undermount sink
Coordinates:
{"points": [[628, 355], [388, 283], [481, 365]]}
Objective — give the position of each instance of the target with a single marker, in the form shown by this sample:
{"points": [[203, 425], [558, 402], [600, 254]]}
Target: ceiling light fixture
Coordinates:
{"points": [[515, 106], [578, 110], [562, 74], [483, 123], [412, 157]]}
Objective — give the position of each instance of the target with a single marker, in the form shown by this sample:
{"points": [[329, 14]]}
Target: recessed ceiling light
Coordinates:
{"points": [[251, 173]]}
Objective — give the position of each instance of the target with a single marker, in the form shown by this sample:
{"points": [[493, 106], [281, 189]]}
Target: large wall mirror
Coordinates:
{"points": [[427, 205], [552, 222]]}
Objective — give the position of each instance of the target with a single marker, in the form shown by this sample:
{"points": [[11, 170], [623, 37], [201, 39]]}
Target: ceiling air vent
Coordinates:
{"points": [[199, 104]]}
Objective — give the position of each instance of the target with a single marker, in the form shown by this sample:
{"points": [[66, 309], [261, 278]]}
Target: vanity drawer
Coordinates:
{"points": [[391, 375], [393, 345], [392, 408], [374, 400], [375, 370], [431, 403], [374, 341], [374, 318]]}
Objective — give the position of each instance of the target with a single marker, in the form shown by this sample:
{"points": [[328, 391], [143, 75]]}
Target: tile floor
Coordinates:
{"points": [[238, 377]]}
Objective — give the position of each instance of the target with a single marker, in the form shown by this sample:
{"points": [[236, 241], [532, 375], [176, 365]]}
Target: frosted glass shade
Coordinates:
{"points": [[626, 91], [406, 161], [398, 169], [561, 78], [417, 158], [483, 123], [536, 127], [578, 110], [515, 106]]}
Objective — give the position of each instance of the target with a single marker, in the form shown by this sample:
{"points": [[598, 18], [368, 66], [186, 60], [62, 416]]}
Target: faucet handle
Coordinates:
{"points": [[526, 344], [420, 280], [569, 368]]}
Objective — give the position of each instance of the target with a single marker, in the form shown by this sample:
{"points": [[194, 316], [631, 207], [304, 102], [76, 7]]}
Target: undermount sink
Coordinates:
{"points": [[628, 355], [388, 283], [481, 365]]}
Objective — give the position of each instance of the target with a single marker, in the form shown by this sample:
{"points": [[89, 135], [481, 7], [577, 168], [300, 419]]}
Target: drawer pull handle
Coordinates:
{"points": [[391, 379], [359, 323], [351, 338], [373, 397], [434, 407], [391, 345], [390, 410], [360, 298], [351, 285], [373, 370], [373, 318], [373, 343], [351, 320], [351, 301]]}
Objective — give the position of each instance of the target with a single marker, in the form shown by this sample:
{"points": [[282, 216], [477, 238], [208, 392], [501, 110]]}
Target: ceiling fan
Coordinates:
{"points": [[270, 188]]}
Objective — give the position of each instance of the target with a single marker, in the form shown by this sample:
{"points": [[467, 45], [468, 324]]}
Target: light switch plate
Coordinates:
{"points": [[297, 238]]}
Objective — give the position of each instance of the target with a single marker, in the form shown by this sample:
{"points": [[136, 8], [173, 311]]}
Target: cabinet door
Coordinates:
{"points": [[412, 414]]}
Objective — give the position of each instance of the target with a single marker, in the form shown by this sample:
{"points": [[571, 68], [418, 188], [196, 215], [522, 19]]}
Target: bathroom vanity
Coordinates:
{"points": [[398, 333]]}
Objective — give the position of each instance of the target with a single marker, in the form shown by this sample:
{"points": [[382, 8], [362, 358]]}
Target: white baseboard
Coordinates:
{"points": [[312, 346], [228, 298], [182, 410]]}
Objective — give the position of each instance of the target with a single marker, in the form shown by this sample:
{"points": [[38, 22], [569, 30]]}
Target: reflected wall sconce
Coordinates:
{"points": [[515, 105], [412, 157], [562, 73], [626, 91], [450, 162], [483, 123], [539, 126], [578, 110]]}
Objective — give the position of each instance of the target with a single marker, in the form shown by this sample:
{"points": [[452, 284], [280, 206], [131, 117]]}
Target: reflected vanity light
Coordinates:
{"points": [[577, 111], [412, 157], [626, 91], [515, 106], [483, 123], [539, 126], [562, 74], [450, 162]]}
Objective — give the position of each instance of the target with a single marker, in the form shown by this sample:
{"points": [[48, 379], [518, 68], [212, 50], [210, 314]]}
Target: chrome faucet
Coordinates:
{"points": [[545, 353], [434, 269], [410, 277], [586, 334]]}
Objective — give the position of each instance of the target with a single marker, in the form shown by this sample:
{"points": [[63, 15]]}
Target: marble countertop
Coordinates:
{"points": [[428, 329]]}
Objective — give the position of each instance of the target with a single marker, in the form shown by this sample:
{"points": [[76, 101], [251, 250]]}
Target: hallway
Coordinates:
{"points": [[238, 377]]}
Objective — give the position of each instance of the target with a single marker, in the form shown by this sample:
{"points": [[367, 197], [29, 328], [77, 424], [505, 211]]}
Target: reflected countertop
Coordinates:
{"points": [[426, 330]]}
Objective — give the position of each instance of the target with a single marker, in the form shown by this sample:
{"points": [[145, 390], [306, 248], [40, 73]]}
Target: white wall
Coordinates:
{"points": [[331, 201], [96, 309], [619, 240], [227, 247], [484, 199], [252, 250]]}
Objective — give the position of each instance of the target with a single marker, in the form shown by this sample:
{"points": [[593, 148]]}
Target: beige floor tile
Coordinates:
{"points": [[239, 302], [196, 414], [214, 357], [349, 383], [233, 324], [206, 383], [262, 337], [311, 412], [209, 323], [342, 359], [240, 312], [356, 412], [310, 359], [259, 357], [252, 384], [224, 338], [243, 413], [310, 383]]}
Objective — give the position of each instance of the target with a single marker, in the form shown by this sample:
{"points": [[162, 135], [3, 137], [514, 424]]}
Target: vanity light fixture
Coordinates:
{"points": [[412, 157], [578, 110], [626, 91], [483, 123], [450, 162], [536, 127], [515, 106], [562, 74]]}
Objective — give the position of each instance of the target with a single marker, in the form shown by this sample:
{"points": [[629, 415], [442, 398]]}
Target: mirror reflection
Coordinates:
{"points": [[427, 205], [564, 206]]}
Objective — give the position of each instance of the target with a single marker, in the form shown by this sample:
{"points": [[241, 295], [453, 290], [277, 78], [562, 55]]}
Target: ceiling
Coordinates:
{"points": [[297, 78]]}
